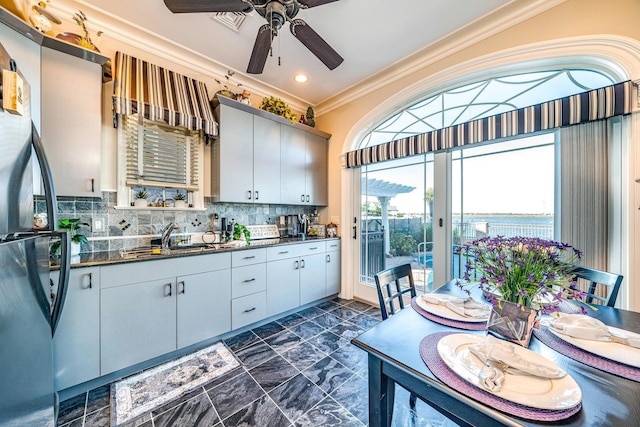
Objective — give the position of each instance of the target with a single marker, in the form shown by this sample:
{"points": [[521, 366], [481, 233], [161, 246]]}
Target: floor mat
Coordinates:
{"points": [[150, 389]]}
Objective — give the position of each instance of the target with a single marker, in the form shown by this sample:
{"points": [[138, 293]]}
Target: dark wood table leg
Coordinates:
{"points": [[381, 395]]}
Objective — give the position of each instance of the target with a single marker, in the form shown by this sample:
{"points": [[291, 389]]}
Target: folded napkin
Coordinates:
{"points": [[464, 306], [499, 357], [587, 328]]}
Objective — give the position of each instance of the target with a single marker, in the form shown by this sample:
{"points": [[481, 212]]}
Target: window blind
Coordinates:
{"points": [[160, 156]]}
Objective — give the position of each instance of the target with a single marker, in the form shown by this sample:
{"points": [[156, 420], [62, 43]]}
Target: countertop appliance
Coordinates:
{"points": [[29, 312]]}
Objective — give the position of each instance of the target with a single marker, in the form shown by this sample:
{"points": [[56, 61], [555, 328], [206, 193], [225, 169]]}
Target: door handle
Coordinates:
{"points": [[296, 265], [90, 284], [248, 194], [93, 182], [183, 286], [355, 232], [301, 263], [308, 198], [302, 198], [257, 194], [328, 258], [170, 285]]}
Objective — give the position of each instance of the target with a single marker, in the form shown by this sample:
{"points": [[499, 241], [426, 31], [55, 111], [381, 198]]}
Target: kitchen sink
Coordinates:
{"points": [[154, 251]]}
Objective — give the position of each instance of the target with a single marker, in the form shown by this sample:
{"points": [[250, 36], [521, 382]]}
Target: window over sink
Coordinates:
{"points": [[157, 162]]}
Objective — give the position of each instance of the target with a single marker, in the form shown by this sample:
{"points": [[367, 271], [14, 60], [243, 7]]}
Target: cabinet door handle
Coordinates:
{"points": [[170, 285], [249, 310], [302, 263], [249, 257], [308, 198], [328, 258], [90, 284], [183, 286], [257, 194], [296, 265], [249, 280], [302, 198], [93, 182], [248, 194]]}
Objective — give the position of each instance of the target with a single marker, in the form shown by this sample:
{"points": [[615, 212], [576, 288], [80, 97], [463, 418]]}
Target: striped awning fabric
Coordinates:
{"points": [[161, 95], [597, 104]]}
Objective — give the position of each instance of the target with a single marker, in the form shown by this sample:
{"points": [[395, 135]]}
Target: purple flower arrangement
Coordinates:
{"points": [[523, 270]]}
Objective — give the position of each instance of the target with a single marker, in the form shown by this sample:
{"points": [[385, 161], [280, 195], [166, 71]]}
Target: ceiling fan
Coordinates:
{"points": [[276, 12]]}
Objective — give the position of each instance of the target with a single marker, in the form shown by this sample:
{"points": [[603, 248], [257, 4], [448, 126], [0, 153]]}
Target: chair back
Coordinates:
{"points": [[595, 277], [389, 285]]}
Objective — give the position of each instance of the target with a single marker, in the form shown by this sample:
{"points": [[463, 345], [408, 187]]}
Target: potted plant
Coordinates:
{"points": [[71, 225], [179, 200], [279, 107], [140, 199], [239, 231], [521, 276]]}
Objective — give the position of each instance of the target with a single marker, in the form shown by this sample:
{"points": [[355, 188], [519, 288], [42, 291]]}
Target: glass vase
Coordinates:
{"points": [[510, 322]]}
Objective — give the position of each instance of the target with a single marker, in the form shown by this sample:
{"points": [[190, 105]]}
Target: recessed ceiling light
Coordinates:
{"points": [[300, 78]]}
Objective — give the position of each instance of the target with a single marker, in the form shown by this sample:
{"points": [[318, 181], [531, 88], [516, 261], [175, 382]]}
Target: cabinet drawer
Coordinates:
{"points": [[295, 250], [333, 245], [248, 257], [248, 309], [248, 280]]}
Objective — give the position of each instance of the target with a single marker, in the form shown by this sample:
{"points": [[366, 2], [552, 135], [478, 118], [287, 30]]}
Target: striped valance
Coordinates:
{"points": [[584, 107], [161, 95]]}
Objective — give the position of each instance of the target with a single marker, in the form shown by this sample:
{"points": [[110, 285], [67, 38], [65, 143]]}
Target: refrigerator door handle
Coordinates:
{"points": [[63, 279], [47, 179]]}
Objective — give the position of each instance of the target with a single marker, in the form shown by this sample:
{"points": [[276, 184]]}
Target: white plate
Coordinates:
{"points": [[535, 392], [610, 350], [442, 311]]}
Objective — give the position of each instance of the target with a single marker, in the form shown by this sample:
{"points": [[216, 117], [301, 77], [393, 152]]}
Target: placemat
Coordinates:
{"points": [[469, 326], [431, 357], [583, 356]]}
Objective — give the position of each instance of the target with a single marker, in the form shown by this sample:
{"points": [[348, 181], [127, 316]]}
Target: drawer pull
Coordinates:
{"points": [[249, 310], [283, 252], [315, 248], [249, 280], [249, 257]]}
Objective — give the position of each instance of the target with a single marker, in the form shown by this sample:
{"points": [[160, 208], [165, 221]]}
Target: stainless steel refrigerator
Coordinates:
{"points": [[29, 309]]}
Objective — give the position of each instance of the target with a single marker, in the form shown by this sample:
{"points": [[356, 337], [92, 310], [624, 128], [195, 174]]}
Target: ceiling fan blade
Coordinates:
{"points": [[316, 44], [260, 50], [194, 6], [314, 3]]}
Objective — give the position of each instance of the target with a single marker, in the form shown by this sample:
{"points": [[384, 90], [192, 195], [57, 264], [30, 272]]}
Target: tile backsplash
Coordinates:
{"points": [[128, 228]]}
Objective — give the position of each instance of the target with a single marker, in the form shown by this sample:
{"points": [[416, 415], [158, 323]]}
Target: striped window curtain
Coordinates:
{"points": [[584, 151], [159, 94], [597, 104]]}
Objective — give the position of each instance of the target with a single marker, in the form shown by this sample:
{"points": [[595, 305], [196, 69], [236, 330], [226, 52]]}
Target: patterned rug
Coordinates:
{"points": [[138, 394]]}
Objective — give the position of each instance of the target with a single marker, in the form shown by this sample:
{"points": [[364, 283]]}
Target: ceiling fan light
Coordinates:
{"points": [[301, 78]]}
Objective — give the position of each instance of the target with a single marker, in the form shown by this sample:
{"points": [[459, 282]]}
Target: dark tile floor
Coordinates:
{"points": [[300, 370]]}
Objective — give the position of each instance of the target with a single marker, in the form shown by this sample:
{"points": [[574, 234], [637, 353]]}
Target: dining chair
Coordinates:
{"points": [[389, 284], [595, 277]]}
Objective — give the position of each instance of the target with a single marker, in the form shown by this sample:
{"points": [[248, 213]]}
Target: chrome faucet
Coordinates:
{"points": [[166, 234]]}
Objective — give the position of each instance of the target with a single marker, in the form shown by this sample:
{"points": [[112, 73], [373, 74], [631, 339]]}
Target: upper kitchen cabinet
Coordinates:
{"points": [[263, 158], [71, 122], [246, 158]]}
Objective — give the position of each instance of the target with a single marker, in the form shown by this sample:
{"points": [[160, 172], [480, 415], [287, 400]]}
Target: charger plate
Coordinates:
{"points": [[470, 326], [431, 357]]}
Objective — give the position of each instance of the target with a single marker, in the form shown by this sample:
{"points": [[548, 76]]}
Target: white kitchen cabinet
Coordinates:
{"points": [[71, 105], [304, 167], [151, 308], [248, 309], [333, 267], [313, 282], [203, 306], [245, 158], [76, 344], [137, 323], [283, 285]]}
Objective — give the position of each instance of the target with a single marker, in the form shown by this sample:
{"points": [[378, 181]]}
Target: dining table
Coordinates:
{"points": [[394, 357]]}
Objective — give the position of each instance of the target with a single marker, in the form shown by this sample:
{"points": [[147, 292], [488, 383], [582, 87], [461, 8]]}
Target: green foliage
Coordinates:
{"points": [[310, 116], [71, 225], [402, 244], [141, 194], [180, 196], [239, 230], [279, 107]]}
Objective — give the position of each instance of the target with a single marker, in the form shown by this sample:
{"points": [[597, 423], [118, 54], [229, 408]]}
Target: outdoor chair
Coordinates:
{"points": [[389, 286], [611, 281]]}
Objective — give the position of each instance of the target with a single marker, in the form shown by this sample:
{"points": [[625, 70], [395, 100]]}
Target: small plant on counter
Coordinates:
{"points": [[179, 196], [141, 194], [279, 107], [71, 225], [239, 230]]}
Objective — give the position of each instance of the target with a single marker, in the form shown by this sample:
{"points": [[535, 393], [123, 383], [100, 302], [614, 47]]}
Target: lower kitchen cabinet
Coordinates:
{"points": [[138, 322], [333, 268], [76, 344], [312, 278], [203, 308], [248, 309], [283, 285]]}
